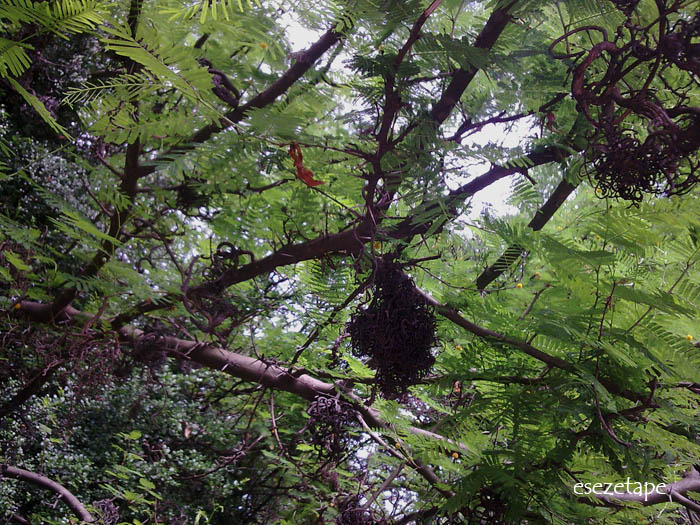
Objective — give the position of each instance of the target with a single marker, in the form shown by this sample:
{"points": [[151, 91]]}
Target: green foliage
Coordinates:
{"points": [[13, 58], [60, 18], [225, 9], [175, 296], [38, 106]]}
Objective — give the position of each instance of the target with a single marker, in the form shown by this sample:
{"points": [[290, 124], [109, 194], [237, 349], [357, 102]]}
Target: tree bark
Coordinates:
{"points": [[78, 509]]}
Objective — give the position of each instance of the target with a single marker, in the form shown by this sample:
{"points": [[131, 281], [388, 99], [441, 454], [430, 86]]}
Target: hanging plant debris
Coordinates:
{"points": [[645, 140], [328, 423], [352, 512], [396, 332]]}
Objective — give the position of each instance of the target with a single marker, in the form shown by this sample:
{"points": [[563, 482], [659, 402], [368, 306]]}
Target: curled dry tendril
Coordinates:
{"points": [[645, 135]]}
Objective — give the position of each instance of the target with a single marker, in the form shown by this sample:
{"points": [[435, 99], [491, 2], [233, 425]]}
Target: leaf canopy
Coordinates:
{"points": [[249, 273]]}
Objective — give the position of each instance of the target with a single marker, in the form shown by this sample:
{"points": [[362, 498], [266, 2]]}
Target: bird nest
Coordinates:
{"points": [[396, 332]]}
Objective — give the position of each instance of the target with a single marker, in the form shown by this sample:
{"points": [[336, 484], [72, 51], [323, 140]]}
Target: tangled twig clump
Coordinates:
{"points": [[220, 311], [396, 331], [352, 513], [329, 420], [646, 135], [109, 512], [624, 166]]}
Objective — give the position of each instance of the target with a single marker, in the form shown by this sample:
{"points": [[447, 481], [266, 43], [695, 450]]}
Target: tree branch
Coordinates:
{"points": [[514, 252], [385, 485], [552, 361], [495, 25], [31, 388], [391, 96], [351, 241], [237, 365], [133, 171], [41, 481], [304, 61], [421, 220], [417, 465]]}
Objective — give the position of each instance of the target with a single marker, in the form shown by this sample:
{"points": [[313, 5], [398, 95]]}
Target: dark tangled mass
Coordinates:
{"points": [[352, 512], [329, 420], [396, 332], [626, 167], [646, 138]]}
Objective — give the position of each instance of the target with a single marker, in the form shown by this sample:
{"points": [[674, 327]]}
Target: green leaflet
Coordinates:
{"points": [[72, 16], [134, 86], [13, 57], [75, 225], [215, 10], [39, 107], [660, 300], [174, 66], [16, 261]]}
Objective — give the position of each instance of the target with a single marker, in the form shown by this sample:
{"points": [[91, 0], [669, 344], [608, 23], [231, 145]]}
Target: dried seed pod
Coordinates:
{"points": [[647, 135], [624, 167]]}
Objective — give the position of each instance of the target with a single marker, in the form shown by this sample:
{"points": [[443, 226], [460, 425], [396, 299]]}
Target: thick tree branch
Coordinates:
{"points": [[133, 171], [351, 241], [236, 365], [128, 187], [421, 220], [303, 63], [461, 78], [45, 483]]}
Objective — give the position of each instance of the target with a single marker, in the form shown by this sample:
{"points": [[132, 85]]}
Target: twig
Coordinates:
{"points": [[422, 469], [532, 303], [388, 481]]}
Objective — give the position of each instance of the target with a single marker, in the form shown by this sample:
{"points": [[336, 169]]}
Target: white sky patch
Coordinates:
{"points": [[300, 37], [496, 195]]}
